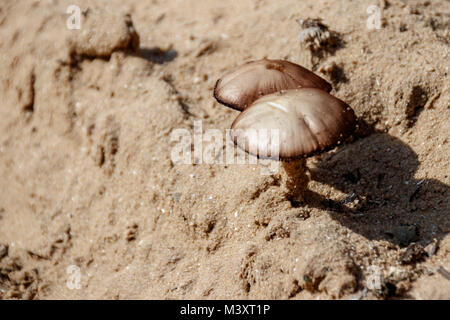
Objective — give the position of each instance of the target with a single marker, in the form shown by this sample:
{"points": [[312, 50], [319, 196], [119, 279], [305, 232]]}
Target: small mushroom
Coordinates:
{"points": [[308, 121], [244, 84]]}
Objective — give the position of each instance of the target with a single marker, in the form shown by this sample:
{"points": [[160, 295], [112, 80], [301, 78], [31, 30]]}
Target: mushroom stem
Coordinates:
{"points": [[294, 178]]}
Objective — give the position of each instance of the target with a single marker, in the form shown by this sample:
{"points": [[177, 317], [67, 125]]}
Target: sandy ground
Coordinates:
{"points": [[91, 205]]}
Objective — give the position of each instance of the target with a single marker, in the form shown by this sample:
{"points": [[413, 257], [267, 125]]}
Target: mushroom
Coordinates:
{"points": [[308, 120], [244, 84]]}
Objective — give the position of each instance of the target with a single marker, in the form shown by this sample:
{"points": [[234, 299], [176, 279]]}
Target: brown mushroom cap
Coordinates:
{"points": [[309, 120], [242, 85]]}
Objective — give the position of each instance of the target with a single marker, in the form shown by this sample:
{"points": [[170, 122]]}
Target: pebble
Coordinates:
{"points": [[444, 273], [412, 254], [431, 248]]}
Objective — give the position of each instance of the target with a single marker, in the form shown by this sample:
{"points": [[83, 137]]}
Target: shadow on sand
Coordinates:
{"points": [[157, 55], [383, 198]]}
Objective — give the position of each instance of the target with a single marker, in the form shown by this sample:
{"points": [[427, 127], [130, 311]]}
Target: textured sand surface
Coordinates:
{"points": [[87, 180]]}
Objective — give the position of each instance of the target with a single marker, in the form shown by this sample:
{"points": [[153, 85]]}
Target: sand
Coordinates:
{"points": [[93, 207]]}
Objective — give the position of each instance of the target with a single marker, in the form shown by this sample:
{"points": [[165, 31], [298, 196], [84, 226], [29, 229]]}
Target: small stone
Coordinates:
{"points": [[412, 254], [431, 248], [444, 272], [314, 34], [349, 198]]}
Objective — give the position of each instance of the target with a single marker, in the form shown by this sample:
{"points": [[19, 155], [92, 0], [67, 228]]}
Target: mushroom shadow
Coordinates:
{"points": [[383, 198], [157, 55]]}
